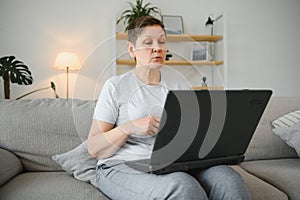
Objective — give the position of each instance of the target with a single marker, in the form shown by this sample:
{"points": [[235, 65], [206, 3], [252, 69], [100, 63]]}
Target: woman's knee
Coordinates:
{"points": [[223, 181], [221, 173], [183, 186]]}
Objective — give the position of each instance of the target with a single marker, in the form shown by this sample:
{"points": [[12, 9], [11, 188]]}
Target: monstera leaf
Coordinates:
{"points": [[14, 71]]}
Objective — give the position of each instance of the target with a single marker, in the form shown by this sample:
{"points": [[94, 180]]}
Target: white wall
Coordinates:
{"points": [[263, 43]]}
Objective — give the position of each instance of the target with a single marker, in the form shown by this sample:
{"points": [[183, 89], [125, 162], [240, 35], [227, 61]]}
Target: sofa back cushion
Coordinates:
{"points": [[37, 129], [265, 144]]}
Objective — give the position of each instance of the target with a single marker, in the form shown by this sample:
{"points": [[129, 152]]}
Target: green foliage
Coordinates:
{"points": [[137, 11], [14, 71]]}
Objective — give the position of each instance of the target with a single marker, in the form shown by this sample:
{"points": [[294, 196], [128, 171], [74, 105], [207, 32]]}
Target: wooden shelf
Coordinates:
{"points": [[181, 37], [175, 62]]}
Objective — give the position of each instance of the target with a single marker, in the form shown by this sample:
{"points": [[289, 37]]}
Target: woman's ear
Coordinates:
{"points": [[130, 47]]}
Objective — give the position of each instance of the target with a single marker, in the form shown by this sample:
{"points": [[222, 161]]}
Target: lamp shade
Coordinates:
{"points": [[67, 60]]}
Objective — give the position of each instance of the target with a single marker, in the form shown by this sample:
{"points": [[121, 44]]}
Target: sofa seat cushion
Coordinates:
{"points": [[48, 185], [282, 173], [258, 188]]}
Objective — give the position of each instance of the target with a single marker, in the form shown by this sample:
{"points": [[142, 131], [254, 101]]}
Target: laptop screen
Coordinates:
{"points": [[201, 124]]}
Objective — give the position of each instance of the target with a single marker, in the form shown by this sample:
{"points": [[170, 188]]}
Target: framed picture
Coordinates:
{"points": [[200, 51], [173, 24]]}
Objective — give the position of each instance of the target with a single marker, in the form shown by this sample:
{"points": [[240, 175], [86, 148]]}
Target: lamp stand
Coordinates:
{"points": [[67, 82]]}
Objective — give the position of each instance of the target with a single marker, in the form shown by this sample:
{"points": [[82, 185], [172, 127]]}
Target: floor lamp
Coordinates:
{"points": [[67, 61]]}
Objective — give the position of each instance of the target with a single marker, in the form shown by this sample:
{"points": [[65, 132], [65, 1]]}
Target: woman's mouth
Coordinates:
{"points": [[157, 58]]}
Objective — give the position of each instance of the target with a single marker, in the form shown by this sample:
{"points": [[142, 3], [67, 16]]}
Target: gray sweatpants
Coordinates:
{"points": [[118, 181]]}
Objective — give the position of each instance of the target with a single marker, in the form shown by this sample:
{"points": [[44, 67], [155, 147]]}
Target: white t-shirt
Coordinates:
{"points": [[125, 98]]}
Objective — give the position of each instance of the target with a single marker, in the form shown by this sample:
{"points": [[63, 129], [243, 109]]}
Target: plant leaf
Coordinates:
{"points": [[16, 70], [136, 11]]}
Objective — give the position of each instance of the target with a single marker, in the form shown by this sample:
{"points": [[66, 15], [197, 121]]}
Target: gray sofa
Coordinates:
{"points": [[32, 131]]}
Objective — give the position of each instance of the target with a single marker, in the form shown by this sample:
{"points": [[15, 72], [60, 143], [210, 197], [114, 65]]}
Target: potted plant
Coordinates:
{"points": [[136, 11], [14, 71]]}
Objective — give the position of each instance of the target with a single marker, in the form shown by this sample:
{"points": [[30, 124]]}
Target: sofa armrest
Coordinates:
{"points": [[10, 166]]}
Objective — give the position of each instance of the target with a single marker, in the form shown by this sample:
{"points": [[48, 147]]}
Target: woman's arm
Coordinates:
{"points": [[104, 139]]}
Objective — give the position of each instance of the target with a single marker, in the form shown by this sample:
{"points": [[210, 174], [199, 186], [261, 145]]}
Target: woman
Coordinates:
{"points": [[126, 120]]}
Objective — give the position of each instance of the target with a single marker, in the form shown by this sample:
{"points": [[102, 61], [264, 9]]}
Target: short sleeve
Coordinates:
{"points": [[106, 109]]}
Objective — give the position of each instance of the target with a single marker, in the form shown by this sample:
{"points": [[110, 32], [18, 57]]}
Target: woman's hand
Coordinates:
{"points": [[143, 126]]}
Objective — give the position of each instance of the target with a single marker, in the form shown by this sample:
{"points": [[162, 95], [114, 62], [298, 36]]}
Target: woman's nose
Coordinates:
{"points": [[156, 47]]}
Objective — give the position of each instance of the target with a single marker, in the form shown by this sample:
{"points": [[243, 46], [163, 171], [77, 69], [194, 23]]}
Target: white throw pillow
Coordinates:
{"points": [[287, 120], [291, 135], [78, 163]]}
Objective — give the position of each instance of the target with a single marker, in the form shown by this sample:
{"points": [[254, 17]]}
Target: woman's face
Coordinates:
{"points": [[150, 48]]}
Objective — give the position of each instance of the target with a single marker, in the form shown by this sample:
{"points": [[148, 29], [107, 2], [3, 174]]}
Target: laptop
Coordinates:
{"points": [[203, 128]]}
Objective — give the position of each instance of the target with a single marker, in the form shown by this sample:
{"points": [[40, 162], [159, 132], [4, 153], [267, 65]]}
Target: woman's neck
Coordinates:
{"points": [[148, 76]]}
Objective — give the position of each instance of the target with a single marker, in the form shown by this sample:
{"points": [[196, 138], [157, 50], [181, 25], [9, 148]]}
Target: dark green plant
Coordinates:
{"points": [[136, 11], [14, 71]]}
